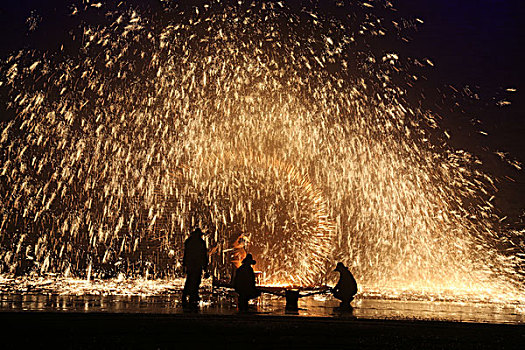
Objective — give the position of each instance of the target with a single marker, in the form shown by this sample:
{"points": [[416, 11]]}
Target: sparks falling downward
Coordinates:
{"points": [[243, 119]]}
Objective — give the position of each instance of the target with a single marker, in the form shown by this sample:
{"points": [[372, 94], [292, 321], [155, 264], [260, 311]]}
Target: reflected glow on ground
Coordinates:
{"points": [[163, 297]]}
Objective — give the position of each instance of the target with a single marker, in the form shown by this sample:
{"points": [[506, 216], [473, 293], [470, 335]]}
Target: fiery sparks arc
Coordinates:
{"points": [[279, 211], [244, 119]]}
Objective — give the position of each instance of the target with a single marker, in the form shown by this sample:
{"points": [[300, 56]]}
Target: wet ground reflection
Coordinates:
{"points": [[224, 302]]}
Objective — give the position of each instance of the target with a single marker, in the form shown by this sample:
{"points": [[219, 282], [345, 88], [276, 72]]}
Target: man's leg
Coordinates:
{"points": [[185, 291], [243, 303], [194, 284], [345, 302]]}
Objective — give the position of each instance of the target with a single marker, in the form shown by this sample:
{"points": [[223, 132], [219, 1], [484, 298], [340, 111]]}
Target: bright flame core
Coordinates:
{"points": [[230, 119]]}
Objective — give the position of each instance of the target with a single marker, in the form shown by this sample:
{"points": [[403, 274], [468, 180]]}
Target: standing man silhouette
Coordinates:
{"points": [[194, 262]]}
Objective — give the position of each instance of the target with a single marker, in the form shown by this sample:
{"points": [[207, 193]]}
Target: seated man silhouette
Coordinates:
{"points": [[346, 288], [244, 282]]}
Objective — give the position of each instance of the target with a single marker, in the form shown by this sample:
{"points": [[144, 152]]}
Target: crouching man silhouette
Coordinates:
{"points": [[346, 288], [244, 283]]}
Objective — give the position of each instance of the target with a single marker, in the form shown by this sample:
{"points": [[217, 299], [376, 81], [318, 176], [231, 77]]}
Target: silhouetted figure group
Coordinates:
{"points": [[195, 261]]}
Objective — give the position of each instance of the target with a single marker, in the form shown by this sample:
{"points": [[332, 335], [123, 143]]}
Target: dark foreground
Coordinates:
{"points": [[244, 331]]}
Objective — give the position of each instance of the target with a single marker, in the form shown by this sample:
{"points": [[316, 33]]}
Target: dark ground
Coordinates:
{"points": [[106, 330]]}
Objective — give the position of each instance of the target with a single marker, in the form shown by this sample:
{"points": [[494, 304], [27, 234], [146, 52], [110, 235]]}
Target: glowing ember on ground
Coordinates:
{"points": [[249, 118]]}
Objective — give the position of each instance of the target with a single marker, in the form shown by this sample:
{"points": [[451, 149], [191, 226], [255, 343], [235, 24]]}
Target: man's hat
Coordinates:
{"points": [[340, 266], [197, 231], [248, 260]]}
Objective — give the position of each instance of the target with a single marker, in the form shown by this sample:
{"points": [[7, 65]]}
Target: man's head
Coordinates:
{"points": [[197, 232], [340, 267], [248, 260]]}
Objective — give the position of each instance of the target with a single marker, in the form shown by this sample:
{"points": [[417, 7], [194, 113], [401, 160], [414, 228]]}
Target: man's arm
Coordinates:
{"points": [[205, 257], [185, 256], [252, 278], [338, 285]]}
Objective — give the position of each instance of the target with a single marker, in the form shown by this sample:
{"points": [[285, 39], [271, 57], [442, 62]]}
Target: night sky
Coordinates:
{"points": [[475, 45]]}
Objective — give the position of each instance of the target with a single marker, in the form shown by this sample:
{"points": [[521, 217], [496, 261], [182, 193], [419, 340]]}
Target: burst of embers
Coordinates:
{"points": [[250, 119]]}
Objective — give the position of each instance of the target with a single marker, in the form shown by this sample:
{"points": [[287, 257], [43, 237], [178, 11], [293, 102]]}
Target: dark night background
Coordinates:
{"points": [[474, 44]]}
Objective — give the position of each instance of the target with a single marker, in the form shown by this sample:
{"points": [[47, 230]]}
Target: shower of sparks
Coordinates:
{"points": [[247, 119]]}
